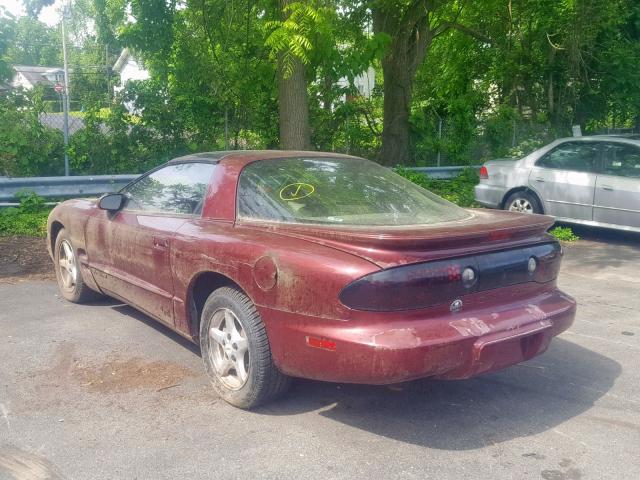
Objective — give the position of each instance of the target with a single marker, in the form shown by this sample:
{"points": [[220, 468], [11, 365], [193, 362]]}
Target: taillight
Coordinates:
{"points": [[407, 287], [484, 173], [428, 284]]}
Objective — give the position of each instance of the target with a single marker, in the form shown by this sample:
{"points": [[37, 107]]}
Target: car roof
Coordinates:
{"points": [[632, 136], [199, 157], [601, 138], [246, 156], [590, 138]]}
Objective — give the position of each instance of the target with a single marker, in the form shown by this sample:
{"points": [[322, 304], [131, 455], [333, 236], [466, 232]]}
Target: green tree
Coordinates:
{"points": [[34, 43], [33, 7], [26, 146], [7, 26]]}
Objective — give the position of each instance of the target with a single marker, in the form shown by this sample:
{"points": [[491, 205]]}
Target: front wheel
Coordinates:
{"points": [[68, 273], [523, 202], [236, 352]]}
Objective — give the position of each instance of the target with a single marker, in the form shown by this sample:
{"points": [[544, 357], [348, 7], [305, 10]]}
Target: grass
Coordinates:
{"points": [[28, 219], [27, 224]]}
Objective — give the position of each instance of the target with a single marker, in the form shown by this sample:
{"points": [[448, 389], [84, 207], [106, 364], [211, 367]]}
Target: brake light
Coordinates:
{"points": [[422, 285], [408, 287], [484, 173]]}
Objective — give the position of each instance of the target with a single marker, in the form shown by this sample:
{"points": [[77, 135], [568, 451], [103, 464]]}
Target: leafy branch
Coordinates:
{"points": [[293, 38]]}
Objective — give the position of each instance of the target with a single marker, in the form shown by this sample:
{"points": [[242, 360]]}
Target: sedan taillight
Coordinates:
{"points": [[484, 173]]}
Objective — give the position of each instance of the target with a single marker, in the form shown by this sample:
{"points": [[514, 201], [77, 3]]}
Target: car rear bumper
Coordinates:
{"points": [[489, 195], [448, 345]]}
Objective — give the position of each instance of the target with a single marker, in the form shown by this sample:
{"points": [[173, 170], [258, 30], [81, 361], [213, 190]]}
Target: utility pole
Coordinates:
{"points": [[65, 93]]}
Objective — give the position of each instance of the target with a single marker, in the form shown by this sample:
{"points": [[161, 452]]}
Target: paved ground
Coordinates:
{"points": [[101, 392]]}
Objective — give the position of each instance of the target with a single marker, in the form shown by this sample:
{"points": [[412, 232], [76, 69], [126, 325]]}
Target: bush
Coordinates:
{"points": [[459, 190], [115, 141], [27, 147], [29, 219], [30, 202], [564, 234]]}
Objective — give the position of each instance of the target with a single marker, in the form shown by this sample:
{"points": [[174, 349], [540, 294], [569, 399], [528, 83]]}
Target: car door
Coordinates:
{"points": [[130, 250], [565, 179], [617, 197]]}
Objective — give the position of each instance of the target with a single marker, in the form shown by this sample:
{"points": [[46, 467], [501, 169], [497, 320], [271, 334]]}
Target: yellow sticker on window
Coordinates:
{"points": [[296, 191]]}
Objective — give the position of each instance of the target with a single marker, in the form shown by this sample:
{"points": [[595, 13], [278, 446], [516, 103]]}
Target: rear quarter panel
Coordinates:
{"points": [[308, 278], [507, 174]]}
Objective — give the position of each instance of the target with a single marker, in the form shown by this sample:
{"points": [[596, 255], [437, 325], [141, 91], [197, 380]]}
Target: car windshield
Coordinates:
{"points": [[337, 191]]}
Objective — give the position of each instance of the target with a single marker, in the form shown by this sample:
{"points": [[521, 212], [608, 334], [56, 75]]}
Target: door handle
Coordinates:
{"points": [[607, 187], [540, 179], [159, 242]]}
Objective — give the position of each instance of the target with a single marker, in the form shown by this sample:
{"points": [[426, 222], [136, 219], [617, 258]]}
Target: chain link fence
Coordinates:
{"points": [[441, 141], [436, 142], [56, 120]]}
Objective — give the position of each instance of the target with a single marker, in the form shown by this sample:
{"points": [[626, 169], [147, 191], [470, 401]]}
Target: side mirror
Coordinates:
{"points": [[112, 202]]}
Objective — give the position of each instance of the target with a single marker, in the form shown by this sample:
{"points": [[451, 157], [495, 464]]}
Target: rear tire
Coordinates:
{"points": [[68, 271], [236, 352], [523, 202]]}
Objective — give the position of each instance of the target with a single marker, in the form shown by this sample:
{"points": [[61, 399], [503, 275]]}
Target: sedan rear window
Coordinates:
{"points": [[337, 191]]}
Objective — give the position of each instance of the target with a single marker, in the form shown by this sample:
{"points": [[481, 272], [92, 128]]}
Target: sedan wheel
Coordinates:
{"points": [[523, 202], [236, 351], [521, 205]]}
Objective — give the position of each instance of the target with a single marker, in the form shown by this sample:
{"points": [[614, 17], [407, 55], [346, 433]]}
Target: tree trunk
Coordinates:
{"points": [[397, 105], [411, 34], [293, 103]]}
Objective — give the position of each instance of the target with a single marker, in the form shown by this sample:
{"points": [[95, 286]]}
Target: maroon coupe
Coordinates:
{"points": [[315, 265]]}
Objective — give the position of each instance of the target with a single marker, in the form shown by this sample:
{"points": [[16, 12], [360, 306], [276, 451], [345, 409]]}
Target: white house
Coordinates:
{"points": [[364, 83], [129, 68], [28, 76]]}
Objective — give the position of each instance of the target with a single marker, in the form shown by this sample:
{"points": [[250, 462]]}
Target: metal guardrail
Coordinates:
{"points": [[444, 173], [95, 185], [61, 187]]}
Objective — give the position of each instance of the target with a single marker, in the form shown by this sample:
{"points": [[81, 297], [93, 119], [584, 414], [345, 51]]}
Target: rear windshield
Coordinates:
{"points": [[337, 191]]}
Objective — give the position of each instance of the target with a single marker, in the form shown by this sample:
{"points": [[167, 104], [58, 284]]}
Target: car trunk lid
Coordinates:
{"points": [[483, 231]]}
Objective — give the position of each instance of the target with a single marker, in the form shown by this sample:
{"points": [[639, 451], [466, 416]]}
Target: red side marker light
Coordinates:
{"points": [[484, 173], [321, 343], [498, 235]]}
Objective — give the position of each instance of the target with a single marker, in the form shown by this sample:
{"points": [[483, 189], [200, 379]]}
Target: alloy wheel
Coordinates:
{"points": [[67, 265], [229, 349], [521, 205]]}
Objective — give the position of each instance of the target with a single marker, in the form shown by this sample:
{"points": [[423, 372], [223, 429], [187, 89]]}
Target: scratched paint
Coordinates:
{"points": [[396, 338], [535, 312], [470, 327]]}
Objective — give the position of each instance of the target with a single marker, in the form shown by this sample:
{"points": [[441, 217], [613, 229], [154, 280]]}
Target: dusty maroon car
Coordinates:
{"points": [[315, 265]]}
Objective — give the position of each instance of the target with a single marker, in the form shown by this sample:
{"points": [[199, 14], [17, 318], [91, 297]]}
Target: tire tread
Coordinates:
{"points": [[269, 383]]}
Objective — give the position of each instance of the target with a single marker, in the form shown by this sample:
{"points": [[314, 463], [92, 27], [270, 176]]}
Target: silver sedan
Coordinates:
{"points": [[585, 180]]}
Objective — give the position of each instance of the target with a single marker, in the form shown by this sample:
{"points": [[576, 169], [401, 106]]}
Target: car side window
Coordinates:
{"points": [[577, 157], [176, 188], [621, 160]]}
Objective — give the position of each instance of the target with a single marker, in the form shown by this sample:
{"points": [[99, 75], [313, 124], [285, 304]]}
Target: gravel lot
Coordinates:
{"points": [[102, 392]]}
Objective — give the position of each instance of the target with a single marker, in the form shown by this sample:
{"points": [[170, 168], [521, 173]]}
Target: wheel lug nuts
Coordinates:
{"points": [[235, 347]]}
